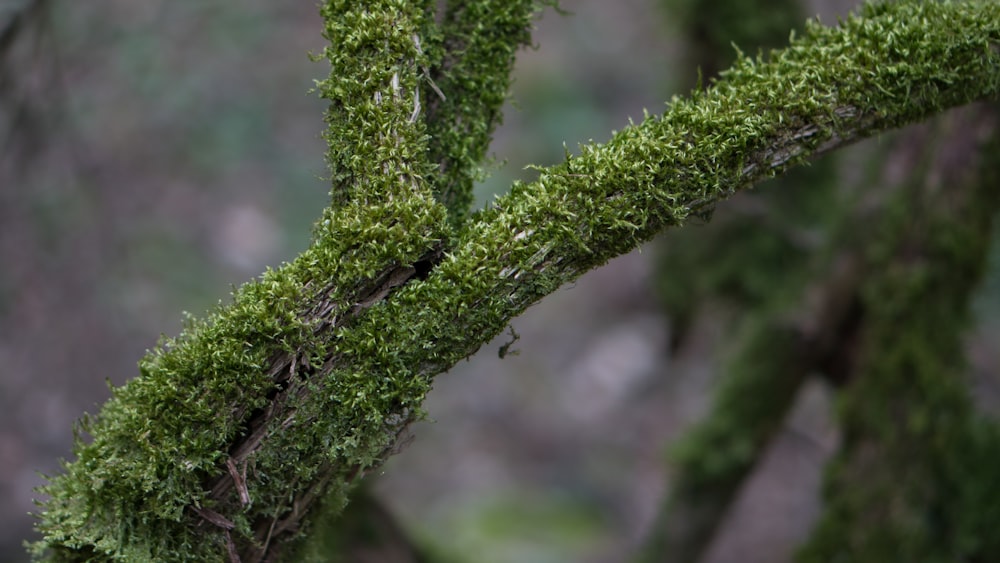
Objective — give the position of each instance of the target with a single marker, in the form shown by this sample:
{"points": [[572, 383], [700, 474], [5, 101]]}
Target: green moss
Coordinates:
{"points": [[351, 362], [478, 41]]}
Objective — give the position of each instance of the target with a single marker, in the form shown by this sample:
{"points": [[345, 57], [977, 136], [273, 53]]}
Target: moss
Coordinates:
{"points": [[325, 359], [469, 85]]}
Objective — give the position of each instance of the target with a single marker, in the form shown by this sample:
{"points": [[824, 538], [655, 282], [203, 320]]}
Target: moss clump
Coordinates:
{"points": [[471, 77]]}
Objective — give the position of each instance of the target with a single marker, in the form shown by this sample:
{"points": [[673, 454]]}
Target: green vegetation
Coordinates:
{"points": [[298, 387]]}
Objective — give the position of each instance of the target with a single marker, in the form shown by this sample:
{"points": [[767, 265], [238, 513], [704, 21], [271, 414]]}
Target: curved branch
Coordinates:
{"points": [[309, 377]]}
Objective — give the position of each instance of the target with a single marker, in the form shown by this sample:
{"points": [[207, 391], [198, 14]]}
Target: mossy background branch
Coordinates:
{"points": [[321, 363], [907, 482], [778, 348]]}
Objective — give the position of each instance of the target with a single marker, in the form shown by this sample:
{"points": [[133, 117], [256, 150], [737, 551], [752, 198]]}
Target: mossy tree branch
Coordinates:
{"points": [[475, 58], [302, 384]]}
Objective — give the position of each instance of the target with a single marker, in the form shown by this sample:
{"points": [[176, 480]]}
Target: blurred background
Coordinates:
{"points": [[156, 153]]}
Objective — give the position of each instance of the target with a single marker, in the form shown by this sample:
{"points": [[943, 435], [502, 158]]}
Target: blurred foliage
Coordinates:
{"points": [[715, 29], [512, 526], [987, 303]]}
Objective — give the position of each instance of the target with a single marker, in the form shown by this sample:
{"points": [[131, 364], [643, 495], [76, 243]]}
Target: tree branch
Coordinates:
{"points": [[470, 86], [306, 380]]}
